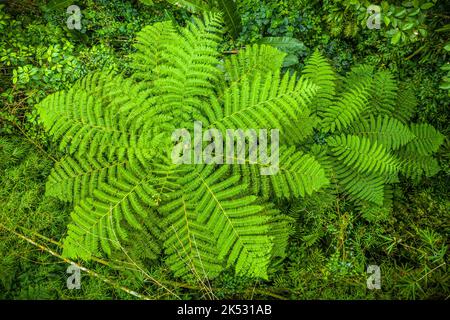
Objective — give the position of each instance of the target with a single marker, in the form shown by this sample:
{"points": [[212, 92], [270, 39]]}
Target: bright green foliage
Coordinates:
{"points": [[362, 154], [215, 204], [323, 75], [118, 172], [385, 130], [368, 138], [427, 139], [336, 232], [117, 134], [291, 46], [383, 93], [227, 7], [406, 104], [253, 59]]}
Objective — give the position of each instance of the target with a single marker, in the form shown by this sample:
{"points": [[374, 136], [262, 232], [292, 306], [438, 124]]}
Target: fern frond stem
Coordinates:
{"points": [[432, 270], [42, 237], [96, 259], [415, 53], [88, 271]]}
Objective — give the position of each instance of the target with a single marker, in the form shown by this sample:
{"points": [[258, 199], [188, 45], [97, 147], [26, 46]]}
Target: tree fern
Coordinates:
{"points": [[364, 136], [205, 218], [227, 7], [124, 178]]}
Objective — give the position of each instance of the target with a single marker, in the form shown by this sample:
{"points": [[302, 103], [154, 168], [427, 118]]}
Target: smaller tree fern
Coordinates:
{"points": [[367, 139]]}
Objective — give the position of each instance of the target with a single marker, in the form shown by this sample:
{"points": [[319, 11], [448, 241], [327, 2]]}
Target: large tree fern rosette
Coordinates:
{"points": [[204, 218]]}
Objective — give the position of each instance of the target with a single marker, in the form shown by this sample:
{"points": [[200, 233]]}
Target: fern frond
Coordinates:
{"points": [[383, 94], [237, 221], [252, 61], [97, 220], [358, 74], [264, 103], [298, 175], [362, 154], [385, 130], [361, 185], [151, 42], [346, 109], [137, 245], [320, 72], [427, 141], [280, 230], [406, 104], [192, 5]]}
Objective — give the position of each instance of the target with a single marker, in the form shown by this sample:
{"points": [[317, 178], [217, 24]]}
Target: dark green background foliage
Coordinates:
{"points": [[333, 238]]}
